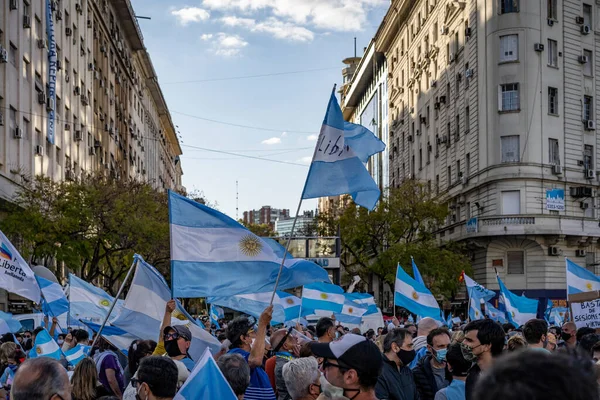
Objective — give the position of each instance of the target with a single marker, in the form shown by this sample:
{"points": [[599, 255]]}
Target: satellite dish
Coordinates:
{"points": [[45, 273]]}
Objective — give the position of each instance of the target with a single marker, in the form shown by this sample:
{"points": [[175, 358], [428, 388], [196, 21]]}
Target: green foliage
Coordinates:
{"points": [[262, 230]]}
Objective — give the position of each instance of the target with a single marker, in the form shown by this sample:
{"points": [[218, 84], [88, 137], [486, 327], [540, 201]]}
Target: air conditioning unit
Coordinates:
{"points": [[77, 91], [58, 15], [465, 180], [468, 73], [451, 58], [58, 65], [538, 47], [26, 21], [583, 59], [67, 127], [433, 83], [89, 23], [142, 148], [586, 191], [50, 105], [586, 30], [78, 136], [590, 174], [443, 139], [443, 99], [18, 133], [68, 31], [579, 20], [67, 78], [13, 5], [78, 8], [41, 43], [91, 67], [3, 55], [444, 30], [84, 100], [410, 138], [553, 251], [590, 125], [92, 151], [42, 97], [550, 22], [557, 169], [580, 253], [583, 205], [1, 119], [102, 118], [423, 120], [468, 32], [39, 150]]}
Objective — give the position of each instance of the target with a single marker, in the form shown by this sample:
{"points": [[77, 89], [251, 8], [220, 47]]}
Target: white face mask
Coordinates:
{"points": [[60, 342], [252, 344]]}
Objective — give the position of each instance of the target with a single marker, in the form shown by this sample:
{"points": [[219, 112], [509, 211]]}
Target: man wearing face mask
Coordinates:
{"points": [[484, 340], [430, 372], [156, 379], [459, 368], [326, 331], [535, 332], [569, 335], [302, 378], [352, 363], [396, 381]]}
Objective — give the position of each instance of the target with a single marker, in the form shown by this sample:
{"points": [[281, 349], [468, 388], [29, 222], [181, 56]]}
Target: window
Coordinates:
{"points": [[588, 67], [12, 115], [553, 155], [457, 132], [509, 97], [510, 148], [511, 202], [509, 48], [552, 53], [12, 55], [509, 6], [449, 176], [552, 101], [552, 10], [26, 128], [26, 70], [437, 184], [588, 108], [515, 261], [458, 174], [468, 165], [467, 120], [420, 158], [588, 157], [587, 15]]}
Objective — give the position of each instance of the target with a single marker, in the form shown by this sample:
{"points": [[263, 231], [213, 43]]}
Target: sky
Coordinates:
{"points": [[199, 46]]}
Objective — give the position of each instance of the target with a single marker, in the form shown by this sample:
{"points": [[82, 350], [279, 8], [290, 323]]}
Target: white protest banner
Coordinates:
{"points": [[15, 274], [586, 313]]}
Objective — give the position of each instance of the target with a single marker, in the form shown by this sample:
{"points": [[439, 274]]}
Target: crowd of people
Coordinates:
{"points": [[480, 360]]}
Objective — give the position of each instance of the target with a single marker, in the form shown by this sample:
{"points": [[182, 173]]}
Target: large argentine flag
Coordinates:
{"points": [[286, 307], [54, 301], [213, 255], [415, 297], [364, 299], [45, 346], [144, 308], [16, 276], [90, 302], [580, 279], [206, 382], [336, 168], [324, 297], [519, 309], [477, 291]]}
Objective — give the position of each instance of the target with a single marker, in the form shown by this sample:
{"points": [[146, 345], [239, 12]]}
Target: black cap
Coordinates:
{"points": [[353, 351], [182, 330]]}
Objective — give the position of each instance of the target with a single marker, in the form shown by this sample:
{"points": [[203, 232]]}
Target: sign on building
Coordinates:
{"points": [[555, 199], [472, 225]]}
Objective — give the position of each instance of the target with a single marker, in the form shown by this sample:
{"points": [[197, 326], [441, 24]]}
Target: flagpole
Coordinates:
{"points": [[114, 303], [289, 239]]}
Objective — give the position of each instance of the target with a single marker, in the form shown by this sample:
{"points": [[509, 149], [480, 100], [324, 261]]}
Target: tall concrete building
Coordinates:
{"points": [[493, 103], [79, 94]]}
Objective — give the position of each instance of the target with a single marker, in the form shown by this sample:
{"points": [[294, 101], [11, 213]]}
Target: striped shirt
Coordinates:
{"points": [[260, 386]]}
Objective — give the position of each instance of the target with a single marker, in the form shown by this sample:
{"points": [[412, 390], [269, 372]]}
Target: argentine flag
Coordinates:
{"points": [[213, 255], [352, 313], [364, 299], [336, 168], [324, 297], [416, 273], [45, 346], [286, 307], [495, 314], [362, 141], [206, 382], [90, 302], [18, 277], [475, 309], [54, 301], [76, 354], [8, 324], [115, 336], [216, 313], [519, 309], [579, 279], [476, 290], [414, 296]]}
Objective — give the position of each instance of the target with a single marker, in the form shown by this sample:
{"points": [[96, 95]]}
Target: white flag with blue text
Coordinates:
{"points": [[16, 276]]}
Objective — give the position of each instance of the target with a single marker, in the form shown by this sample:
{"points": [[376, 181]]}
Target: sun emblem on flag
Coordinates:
{"points": [[415, 295], [324, 296], [104, 303], [178, 315], [589, 286], [476, 313], [250, 245], [289, 301], [513, 314], [38, 350], [351, 310]]}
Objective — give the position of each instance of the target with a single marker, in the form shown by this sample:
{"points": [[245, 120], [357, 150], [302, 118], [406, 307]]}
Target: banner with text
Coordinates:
{"points": [[586, 313]]}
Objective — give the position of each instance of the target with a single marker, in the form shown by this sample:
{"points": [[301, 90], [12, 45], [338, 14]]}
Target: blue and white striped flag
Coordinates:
{"points": [[364, 299], [77, 353], [336, 168], [213, 255], [206, 382], [477, 291], [493, 313], [579, 279], [362, 141], [415, 297], [115, 336], [8, 324], [449, 322], [144, 308], [286, 306], [89, 302], [519, 309], [216, 313], [475, 309], [351, 313], [45, 346], [416, 272], [324, 297], [54, 301]]}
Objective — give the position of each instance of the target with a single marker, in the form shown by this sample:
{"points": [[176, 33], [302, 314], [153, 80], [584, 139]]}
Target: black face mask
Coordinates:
{"points": [[565, 336], [406, 356], [172, 348]]}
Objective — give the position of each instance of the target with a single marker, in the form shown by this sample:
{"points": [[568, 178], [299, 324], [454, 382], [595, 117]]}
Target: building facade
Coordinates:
{"points": [[79, 95], [305, 225], [265, 215], [492, 104]]}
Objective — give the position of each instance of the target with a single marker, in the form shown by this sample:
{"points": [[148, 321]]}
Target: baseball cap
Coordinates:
{"points": [[353, 351], [182, 330]]}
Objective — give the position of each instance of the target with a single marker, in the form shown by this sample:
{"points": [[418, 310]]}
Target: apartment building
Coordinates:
{"points": [[79, 94], [493, 104], [265, 215]]}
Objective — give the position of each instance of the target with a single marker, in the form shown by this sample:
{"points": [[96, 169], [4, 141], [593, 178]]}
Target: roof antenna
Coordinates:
{"points": [[354, 46]]}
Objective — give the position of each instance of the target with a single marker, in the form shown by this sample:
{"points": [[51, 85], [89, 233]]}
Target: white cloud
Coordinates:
{"points": [[273, 27], [187, 15], [284, 134], [272, 141], [312, 138], [206, 37], [305, 160], [224, 44]]}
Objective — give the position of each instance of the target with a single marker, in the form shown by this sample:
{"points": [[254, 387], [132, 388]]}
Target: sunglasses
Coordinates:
{"points": [[27, 336], [171, 336], [326, 364]]}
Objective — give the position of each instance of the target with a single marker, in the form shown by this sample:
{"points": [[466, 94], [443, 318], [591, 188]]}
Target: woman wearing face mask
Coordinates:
{"points": [[85, 385], [396, 381], [14, 358]]}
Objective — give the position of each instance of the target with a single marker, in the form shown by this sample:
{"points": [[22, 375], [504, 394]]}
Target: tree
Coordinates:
{"points": [[402, 225], [262, 230], [94, 226]]}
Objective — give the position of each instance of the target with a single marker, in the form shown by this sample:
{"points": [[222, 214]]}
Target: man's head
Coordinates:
{"points": [[41, 378], [568, 332], [581, 332], [596, 352], [535, 332], [398, 346], [236, 371], [438, 341], [301, 378], [587, 343], [426, 325], [240, 332], [508, 327], [178, 339], [81, 336], [283, 340], [457, 365], [325, 330], [525, 375], [156, 378], [352, 363], [411, 328], [482, 336]]}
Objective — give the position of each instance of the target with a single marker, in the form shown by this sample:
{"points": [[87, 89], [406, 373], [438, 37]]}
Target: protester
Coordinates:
{"points": [[396, 381], [325, 330], [27, 340], [110, 372], [13, 355], [285, 348], [352, 363], [535, 332], [249, 342], [302, 379], [581, 332], [532, 376], [85, 385], [484, 340], [412, 329], [175, 340], [425, 326], [552, 342], [75, 337], [459, 368], [568, 335], [508, 328], [41, 378], [516, 342], [457, 337], [430, 372], [156, 379], [587, 343], [236, 371], [6, 351], [137, 351]]}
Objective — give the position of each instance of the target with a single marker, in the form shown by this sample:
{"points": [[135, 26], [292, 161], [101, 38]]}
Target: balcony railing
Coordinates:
{"points": [[508, 221]]}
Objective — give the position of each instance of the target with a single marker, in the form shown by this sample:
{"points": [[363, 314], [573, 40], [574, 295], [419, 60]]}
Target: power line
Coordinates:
{"points": [[261, 157], [250, 76], [248, 156], [262, 150]]}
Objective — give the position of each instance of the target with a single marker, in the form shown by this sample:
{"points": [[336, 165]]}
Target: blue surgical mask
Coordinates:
{"points": [[440, 355]]}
